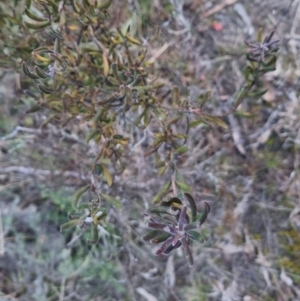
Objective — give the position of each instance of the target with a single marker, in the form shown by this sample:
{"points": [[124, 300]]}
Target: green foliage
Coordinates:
{"points": [[87, 69]]}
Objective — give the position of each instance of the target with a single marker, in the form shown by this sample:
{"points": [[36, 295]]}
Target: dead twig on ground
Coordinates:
{"points": [[29, 171], [53, 131], [218, 8]]}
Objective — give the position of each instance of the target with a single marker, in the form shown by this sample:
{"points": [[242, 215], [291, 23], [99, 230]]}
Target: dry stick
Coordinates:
{"points": [[127, 281], [160, 51], [1, 236], [51, 130], [146, 294], [218, 8], [174, 184], [292, 33], [62, 289], [29, 171], [173, 176]]}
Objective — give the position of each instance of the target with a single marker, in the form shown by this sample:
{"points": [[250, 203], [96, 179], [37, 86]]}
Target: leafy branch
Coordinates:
{"points": [[100, 75]]}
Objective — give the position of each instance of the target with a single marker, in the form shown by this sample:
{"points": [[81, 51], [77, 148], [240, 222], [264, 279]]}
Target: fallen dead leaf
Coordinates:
{"points": [[270, 95]]}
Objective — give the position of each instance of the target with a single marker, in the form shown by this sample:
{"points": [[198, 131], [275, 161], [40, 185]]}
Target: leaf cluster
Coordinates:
{"points": [[174, 223]]}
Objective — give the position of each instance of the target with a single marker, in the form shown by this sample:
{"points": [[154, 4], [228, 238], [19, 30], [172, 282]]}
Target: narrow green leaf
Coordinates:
{"points": [[268, 69], [54, 33], [159, 210], [41, 50], [203, 99], [202, 216], [62, 61], [140, 59], [37, 26], [97, 170], [112, 200], [172, 202], [247, 72], [151, 234], [152, 151], [33, 16], [160, 238], [106, 4], [86, 3], [170, 218], [110, 81], [139, 118], [69, 224], [95, 235], [182, 149], [162, 192], [28, 3], [241, 95], [215, 119], [244, 114], [91, 135], [132, 40], [196, 122], [136, 81], [41, 73], [114, 68], [99, 216], [270, 62], [53, 5], [107, 175], [259, 35], [159, 164], [192, 206], [172, 121], [83, 206], [162, 170], [48, 120], [28, 73], [45, 90], [147, 119], [196, 236], [78, 194], [175, 96], [105, 64], [33, 109], [257, 94], [192, 226], [73, 216], [142, 89], [174, 143], [188, 252], [183, 186]]}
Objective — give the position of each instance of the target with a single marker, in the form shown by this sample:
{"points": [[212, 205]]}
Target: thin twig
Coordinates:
{"points": [[173, 178], [218, 8], [293, 31], [160, 51], [1, 236], [62, 289], [174, 184], [29, 171], [53, 131]]}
